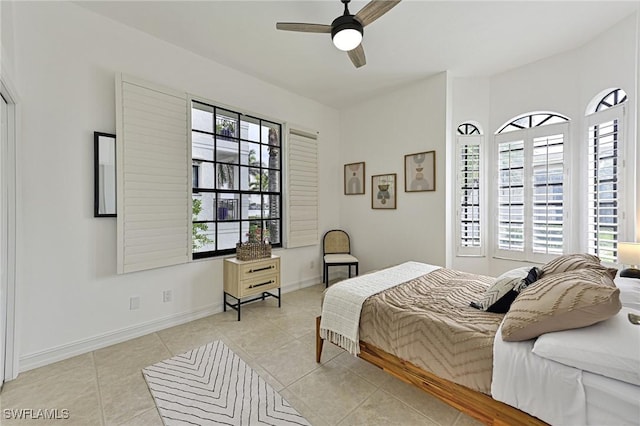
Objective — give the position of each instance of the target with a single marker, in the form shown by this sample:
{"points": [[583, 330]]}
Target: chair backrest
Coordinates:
{"points": [[336, 241]]}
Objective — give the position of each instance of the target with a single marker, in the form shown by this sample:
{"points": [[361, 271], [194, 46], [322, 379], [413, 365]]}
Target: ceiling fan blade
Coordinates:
{"points": [[357, 56], [305, 28], [375, 9]]}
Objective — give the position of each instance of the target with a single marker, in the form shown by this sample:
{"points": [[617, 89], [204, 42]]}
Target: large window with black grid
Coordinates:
{"points": [[237, 180]]}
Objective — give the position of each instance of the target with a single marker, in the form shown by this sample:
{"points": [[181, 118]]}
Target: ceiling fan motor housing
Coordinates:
{"points": [[346, 22]]}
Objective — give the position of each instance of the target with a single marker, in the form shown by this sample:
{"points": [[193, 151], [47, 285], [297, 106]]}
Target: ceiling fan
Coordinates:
{"points": [[347, 30]]}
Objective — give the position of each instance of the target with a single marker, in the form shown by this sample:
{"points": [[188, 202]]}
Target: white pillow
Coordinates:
{"points": [[629, 291], [610, 348]]}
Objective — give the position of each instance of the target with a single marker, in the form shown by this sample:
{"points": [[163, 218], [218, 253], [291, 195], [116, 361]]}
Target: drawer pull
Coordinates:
{"points": [[261, 284], [261, 269]]}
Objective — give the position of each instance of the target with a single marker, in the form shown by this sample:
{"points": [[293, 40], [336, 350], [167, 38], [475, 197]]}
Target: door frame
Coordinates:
{"points": [[9, 169]]}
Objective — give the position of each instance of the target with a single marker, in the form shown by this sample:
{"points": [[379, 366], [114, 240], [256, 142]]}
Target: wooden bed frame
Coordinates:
{"points": [[475, 404]]}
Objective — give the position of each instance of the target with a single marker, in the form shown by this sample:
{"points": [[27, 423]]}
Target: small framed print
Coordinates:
{"points": [[383, 191], [420, 172], [354, 179]]}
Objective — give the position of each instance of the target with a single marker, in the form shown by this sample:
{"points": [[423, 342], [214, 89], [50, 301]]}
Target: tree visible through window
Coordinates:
{"points": [[237, 195]]}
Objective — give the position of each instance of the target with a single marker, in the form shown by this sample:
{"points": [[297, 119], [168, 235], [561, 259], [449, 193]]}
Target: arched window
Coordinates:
{"points": [[529, 120], [605, 173], [468, 129], [469, 190], [530, 179]]}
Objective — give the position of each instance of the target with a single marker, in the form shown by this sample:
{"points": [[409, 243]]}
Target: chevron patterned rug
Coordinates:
{"points": [[211, 385]]}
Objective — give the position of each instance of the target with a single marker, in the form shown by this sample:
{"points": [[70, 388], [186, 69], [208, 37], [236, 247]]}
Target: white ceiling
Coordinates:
{"points": [[414, 40]]}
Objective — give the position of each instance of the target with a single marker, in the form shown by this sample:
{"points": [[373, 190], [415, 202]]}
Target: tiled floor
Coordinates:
{"points": [[106, 387]]}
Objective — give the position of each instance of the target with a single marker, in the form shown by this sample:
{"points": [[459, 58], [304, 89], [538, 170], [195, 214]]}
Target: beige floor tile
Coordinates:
{"points": [[189, 336], [260, 340], [303, 408], [362, 368], [125, 398], [289, 362], [124, 359], [382, 409], [332, 392], [418, 399], [148, 418], [80, 362]]}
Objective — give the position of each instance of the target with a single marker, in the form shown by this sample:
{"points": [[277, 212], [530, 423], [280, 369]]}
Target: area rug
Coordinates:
{"points": [[211, 385]]}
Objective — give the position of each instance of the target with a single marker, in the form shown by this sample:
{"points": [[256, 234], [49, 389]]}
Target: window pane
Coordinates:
{"points": [[270, 133], [203, 177], [203, 237], [228, 206], [228, 235], [227, 151], [251, 179], [271, 206], [273, 231], [250, 154], [227, 123], [250, 128], [202, 117], [270, 157], [227, 176], [202, 206], [253, 209], [201, 146]]}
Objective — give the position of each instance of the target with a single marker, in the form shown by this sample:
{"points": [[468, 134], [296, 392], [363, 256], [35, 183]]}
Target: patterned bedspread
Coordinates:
{"points": [[428, 322]]}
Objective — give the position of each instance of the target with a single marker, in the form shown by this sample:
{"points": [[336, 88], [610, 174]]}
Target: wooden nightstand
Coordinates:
{"points": [[245, 278]]}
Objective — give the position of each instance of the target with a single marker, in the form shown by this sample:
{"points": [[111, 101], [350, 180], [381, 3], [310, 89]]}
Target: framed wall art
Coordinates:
{"points": [[354, 179], [104, 169], [420, 172], [383, 191]]}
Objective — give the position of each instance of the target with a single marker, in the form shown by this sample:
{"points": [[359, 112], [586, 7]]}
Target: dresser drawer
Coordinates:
{"points": [[263, 268], [258, 284]]}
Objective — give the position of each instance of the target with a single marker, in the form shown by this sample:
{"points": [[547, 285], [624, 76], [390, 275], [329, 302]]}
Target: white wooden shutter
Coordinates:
{"points": [[605, 182], [470, 195], [302, 188], [152, 176]]}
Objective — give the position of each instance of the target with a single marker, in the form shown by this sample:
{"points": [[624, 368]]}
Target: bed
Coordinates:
{"points": [[415, 322]]}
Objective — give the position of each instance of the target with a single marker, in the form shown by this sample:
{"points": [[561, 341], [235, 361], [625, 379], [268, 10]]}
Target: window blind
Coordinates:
{"points": [[511, 201], [302, 188], [152, 176], [548, 194], [469, 189], [604, 182]]}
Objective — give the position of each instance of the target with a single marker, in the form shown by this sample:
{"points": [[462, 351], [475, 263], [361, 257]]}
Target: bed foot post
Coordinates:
{"points": [[319, 341]]}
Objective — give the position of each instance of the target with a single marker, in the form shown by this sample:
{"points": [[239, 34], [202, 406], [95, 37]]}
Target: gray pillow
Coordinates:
{"points": [[502, 293]]}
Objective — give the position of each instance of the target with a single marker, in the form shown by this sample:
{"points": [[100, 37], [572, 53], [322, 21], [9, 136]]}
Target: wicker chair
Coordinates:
{"points": [[336, 249]]}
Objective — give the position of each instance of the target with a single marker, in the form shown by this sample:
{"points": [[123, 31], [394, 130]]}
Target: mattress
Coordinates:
{"points": [[428, 322], [559, 394]]}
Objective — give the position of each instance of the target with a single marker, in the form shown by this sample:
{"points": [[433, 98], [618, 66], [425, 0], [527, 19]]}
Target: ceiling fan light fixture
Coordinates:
{"points": [[347, 39], [346, 32]]}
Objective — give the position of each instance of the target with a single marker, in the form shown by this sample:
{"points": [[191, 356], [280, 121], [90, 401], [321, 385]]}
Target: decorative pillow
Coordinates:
{"points": [[561, 301], [503, 292], [572, 262], [610, 348]]}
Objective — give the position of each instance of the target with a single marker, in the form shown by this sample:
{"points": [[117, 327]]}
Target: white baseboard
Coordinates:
{"points": [[59, 353]]}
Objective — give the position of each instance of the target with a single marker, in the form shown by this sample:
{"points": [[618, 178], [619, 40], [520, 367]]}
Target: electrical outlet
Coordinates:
{"points": [[166, 296], [134, 303]]}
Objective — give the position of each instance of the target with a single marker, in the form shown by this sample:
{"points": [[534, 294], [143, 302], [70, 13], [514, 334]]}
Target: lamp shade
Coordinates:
{"points": [[629, 253]]}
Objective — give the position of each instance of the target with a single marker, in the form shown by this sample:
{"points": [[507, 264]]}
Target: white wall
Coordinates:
{"points": [[565, 84], [380, 132], [72, 300]]}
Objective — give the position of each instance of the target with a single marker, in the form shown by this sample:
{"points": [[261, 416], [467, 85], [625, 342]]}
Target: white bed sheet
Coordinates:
{"points": [[543, 388], [558, 394], [611, 402]]}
